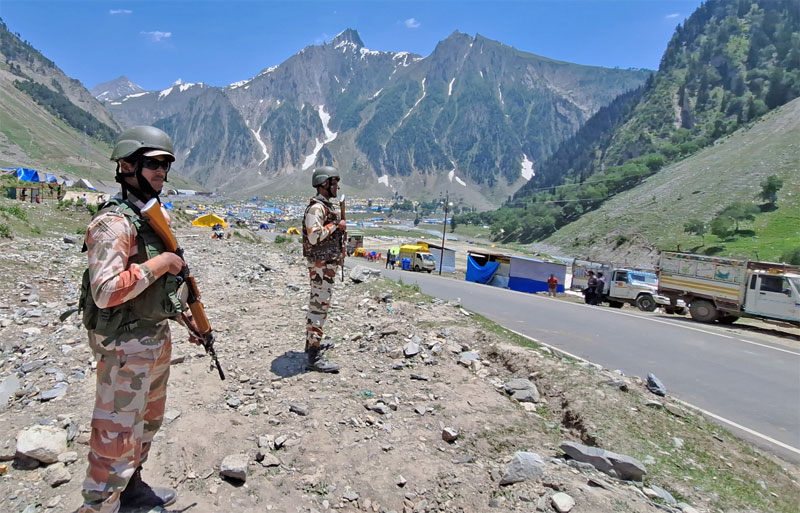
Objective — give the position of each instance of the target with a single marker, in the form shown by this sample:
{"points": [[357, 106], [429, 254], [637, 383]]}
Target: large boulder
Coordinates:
{"points": [[42, 443], [525, 466], [611, 463]]}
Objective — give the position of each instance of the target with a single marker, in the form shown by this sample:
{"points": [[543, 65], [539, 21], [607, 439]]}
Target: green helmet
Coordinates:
{"points": [[323, 173], [140, 137]]}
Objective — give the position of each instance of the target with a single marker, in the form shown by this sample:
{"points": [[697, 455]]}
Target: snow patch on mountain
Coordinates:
{"points": [[384, 180], [452, 176], [450, 87], [527, 168], [329, 136], [261, 143]]}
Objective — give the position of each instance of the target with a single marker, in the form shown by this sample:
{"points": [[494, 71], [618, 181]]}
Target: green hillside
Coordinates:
{"points": [[655, 212]]}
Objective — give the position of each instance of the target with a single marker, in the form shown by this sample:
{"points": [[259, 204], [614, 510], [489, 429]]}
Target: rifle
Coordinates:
{"points": [[155, 218], [344, 235]]}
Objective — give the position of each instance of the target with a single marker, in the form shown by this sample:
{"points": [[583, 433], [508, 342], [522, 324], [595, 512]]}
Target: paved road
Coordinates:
{"points": [[752, 381]]}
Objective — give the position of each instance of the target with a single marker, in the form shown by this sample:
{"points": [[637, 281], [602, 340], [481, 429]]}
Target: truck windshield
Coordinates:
{"points": [[795, 284], [648, 278], [427, 257]]}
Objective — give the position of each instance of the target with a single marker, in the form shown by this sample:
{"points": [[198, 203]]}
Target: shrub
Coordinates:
{"points": [[791, 256], [281, 239], [5, 231], [15, 211]]}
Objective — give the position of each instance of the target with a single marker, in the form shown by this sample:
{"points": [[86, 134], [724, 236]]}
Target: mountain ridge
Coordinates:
{"points": [[398, 128]]}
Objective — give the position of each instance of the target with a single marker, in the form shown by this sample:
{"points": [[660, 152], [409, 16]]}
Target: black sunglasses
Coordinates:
{"points": [[153, 164]]}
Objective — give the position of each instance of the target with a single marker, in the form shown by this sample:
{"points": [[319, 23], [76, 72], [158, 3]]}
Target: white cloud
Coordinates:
{"points": [[412, 23], [673, 15], [156, 35], [120, 11]]}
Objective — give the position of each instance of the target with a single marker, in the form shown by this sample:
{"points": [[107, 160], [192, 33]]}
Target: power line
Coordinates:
{"points": [[572, 185]]}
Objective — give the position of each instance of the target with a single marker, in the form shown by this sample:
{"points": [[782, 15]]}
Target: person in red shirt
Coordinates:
{"points": [[552, 283]]}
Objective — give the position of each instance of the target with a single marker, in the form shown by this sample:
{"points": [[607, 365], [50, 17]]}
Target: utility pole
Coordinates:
{"points": [[444, 228]]}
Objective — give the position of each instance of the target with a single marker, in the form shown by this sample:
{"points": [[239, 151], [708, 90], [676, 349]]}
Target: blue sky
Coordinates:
{"points": [[218, 43]]}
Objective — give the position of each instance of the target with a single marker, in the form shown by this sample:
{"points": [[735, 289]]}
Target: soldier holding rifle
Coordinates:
{"points": [[323, 240], [129, 291]]}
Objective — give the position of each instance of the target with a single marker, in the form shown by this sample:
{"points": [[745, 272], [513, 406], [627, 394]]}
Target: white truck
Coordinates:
{"points": [[724, 289], [637, 288]]}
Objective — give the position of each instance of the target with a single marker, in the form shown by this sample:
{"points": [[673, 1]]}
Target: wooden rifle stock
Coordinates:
{"points": [[155, 218], [344, 235]]}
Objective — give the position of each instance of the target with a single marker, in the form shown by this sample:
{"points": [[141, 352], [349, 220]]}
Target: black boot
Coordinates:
{"points": [[139, 494], [317, 364]]}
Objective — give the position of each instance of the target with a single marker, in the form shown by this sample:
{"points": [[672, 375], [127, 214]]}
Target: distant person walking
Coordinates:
{"points": [[591, 286], [600, 289], [552, 285]]}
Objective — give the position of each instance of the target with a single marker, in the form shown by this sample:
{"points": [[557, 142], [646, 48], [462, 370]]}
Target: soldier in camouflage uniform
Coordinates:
{"points": [[129, 292], [323, 237]]}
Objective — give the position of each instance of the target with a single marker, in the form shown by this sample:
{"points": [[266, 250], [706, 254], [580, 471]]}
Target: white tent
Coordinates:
{"points": [[84, 184]]}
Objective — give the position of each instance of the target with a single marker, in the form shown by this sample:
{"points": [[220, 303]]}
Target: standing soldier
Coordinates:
{"points": [[322, 247], [128, 293]]}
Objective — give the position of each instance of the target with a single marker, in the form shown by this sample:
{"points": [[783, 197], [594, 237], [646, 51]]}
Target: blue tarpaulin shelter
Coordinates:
{"points": [[50, 178], [168, 206], [480, 273], [276, 211], [27, 175]]}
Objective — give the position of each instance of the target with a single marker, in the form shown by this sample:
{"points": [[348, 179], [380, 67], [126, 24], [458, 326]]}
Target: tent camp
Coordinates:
{"points": [[209, 220], [293, 231], [490, 268], [83, 183]]}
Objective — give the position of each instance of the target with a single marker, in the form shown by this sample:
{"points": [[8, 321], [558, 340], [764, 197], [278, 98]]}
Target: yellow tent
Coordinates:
{"points": [[209, 220], [293, 231]]}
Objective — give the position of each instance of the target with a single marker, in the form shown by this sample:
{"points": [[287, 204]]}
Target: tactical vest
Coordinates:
{"points": [[155, 304], [330, 248]]}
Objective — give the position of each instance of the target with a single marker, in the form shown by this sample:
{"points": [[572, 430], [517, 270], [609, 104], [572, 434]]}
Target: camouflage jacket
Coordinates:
{"points": [[322, 241], [118, 276]]}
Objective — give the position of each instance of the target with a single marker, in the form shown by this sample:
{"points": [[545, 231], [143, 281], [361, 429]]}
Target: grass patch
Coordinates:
{"points": [[14, 211], [5, 231]]}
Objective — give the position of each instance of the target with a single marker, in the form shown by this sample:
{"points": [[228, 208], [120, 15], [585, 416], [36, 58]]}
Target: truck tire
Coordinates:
{"points": [[670, 310], [429, 271], [416, 268], [703, 311], [680, 310], [726, 319], [646, 303], [615, 304]]}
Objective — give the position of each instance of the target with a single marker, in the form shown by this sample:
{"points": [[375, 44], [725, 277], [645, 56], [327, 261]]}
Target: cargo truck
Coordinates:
{"points": [[725, 289], [419, 257]]}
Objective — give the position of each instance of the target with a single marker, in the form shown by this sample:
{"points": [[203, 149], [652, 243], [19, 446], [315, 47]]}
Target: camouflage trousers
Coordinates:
{"points": [[129, 409], [322, 276]]}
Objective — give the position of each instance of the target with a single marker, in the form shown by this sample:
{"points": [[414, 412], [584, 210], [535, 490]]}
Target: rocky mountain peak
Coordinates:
{"points": [[348, 36], [115, 89]]}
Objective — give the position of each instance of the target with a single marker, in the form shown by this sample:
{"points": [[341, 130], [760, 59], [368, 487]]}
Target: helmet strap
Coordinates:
{"points": [[329, 188]]}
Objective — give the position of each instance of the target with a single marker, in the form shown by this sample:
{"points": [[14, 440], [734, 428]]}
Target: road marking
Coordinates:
{"points": [[688, 405], [768, 347], [739, 426]]}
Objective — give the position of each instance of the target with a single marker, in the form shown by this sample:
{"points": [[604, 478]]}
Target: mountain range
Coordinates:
{"points": [[474, 117]]}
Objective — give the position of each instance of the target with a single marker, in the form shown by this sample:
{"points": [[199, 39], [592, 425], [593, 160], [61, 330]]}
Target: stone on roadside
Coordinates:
{"points": [[623, 467], [449, 434], [56, 474], [42, 443], [411, 349], [234, 466], [562, 502], [8, 387], [525, 466], [654, 385], [299, 408]]}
